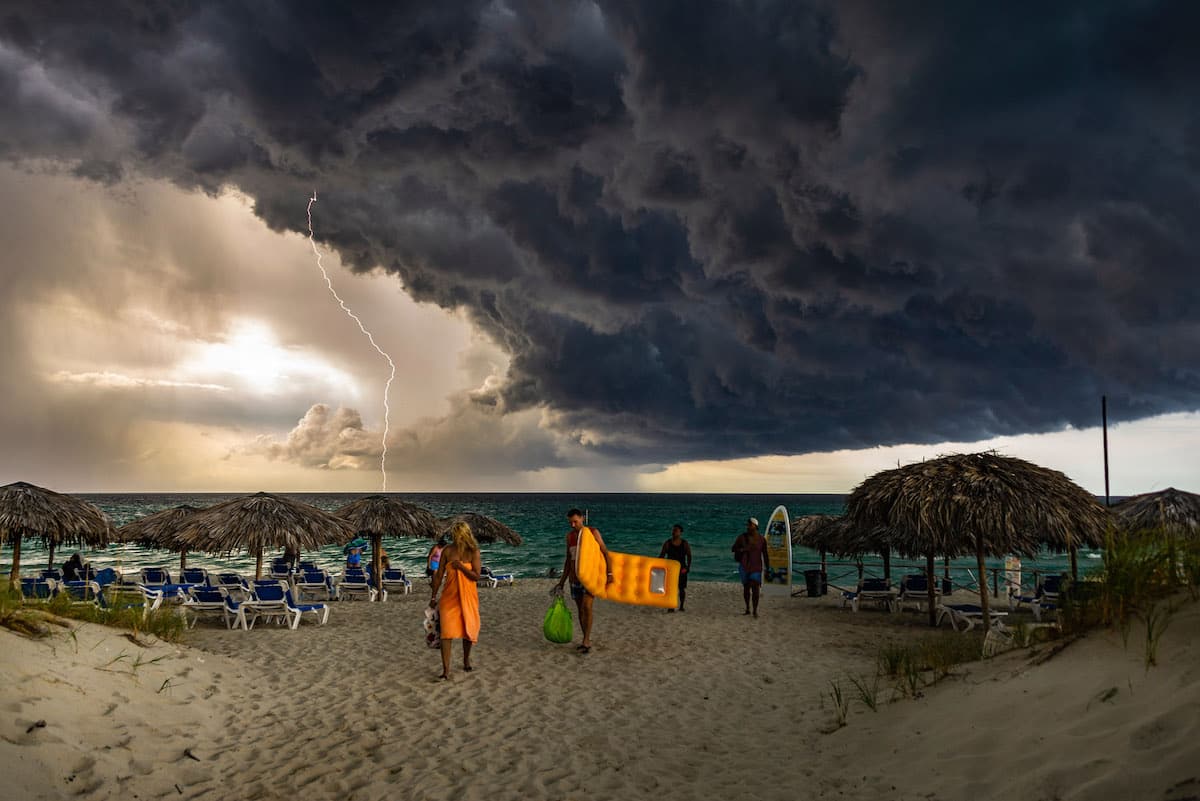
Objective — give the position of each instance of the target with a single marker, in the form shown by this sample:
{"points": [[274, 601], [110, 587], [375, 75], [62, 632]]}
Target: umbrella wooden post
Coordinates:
{"points": [[50, 563], [946, 575], [887, 565], [183, 560], [14, 578], [1074, 566], [984, 595], [929, 585], [377, 562], [258, 564]]}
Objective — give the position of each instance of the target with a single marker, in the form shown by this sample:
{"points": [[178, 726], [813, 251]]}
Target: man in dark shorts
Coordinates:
{"points": [[583, 598], [677, 548]]}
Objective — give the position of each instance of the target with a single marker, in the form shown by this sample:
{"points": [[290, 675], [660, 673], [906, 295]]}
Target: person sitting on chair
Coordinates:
{"points": [[73, 568]]}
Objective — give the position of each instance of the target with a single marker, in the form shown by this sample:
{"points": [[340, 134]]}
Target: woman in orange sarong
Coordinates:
{"points": [[458, 608]]}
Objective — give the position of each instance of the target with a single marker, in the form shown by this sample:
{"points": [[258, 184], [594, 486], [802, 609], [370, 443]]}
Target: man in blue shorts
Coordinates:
{"points": [[750, 551]]}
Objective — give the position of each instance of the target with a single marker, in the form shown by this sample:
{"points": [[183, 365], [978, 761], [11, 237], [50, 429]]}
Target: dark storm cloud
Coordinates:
{"points": [[699, 229]]}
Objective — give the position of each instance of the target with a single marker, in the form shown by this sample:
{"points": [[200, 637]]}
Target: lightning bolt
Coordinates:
{"points": [[392, 365]]}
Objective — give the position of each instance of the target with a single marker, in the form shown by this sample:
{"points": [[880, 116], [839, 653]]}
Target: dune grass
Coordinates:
{"points": [[36, 618]]}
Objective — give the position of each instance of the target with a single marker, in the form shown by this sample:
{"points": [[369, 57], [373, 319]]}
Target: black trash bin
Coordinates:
{"points": [[815, 582]]}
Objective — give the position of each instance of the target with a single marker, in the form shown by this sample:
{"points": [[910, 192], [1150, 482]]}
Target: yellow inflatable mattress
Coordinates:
{"points": [[637, 580]]}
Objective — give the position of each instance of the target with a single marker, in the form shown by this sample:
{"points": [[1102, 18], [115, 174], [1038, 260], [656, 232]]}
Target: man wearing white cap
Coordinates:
{"points": [[750, 552]]}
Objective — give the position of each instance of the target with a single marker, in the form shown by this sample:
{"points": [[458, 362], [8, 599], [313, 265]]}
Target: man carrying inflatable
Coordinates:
{"points": [[583, 598]]}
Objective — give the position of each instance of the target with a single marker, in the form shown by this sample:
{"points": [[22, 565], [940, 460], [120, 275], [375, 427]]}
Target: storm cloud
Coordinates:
{"points": [[697, 229]]}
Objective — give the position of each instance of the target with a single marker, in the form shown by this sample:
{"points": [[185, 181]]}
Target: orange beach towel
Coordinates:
{"points": [[459, 607]]}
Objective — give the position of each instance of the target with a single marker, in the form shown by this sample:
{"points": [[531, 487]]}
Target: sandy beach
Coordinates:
{"points": [[704, 704]]}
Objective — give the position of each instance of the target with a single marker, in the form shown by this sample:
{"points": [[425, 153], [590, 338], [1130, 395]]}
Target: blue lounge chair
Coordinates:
{"points": [[236, 587], [83, 592], [193, 575], [354, 584], [914, 590], [1044, 599], [298, 610], [488, 578], [315, 584], [155, 576], [394, 580], [209, 602], [38, 589], [123, 596], [964, 617], [871, 590], [269, 603], [52, 573]]}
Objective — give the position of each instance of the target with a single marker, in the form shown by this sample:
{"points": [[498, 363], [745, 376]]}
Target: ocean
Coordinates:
{"points": [[629, 522]]}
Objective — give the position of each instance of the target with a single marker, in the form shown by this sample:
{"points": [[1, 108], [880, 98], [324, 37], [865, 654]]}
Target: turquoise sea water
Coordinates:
{"points": [[633, 523]]}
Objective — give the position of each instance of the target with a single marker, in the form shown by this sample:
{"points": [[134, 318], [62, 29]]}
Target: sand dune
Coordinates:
{"points": [[705, 704]]}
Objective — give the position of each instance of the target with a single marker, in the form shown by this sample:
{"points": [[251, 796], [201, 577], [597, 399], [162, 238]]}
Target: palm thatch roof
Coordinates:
{"points": [[955, 505], [975, 503], [380, 515], [1170, 509], [31, 512], [485, 529], [158, 530], [261, 521]]}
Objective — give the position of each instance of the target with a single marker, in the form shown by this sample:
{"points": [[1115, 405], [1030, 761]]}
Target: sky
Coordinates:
{"points": [[755, 246]]}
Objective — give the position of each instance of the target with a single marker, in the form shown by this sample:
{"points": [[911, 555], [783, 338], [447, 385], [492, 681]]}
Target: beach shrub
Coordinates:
{"points": [[1189, 567], [891, 658], [867, 693], [166, 624], [1156, 618], [841, 704], [941, 654]]}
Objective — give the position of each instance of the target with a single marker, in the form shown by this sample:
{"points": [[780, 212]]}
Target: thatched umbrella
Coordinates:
{"points": [[485, 529], [376, 515], [1172, 510], [980, 503], [160, 530], [835, 534], [262, 521], [28, 511]]}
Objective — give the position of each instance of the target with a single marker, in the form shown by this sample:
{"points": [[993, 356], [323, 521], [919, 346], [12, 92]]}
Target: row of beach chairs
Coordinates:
{"points": [[914, 591]]}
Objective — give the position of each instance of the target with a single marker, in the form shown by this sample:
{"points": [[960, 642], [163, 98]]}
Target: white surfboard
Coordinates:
{"points": [[777, 580]]}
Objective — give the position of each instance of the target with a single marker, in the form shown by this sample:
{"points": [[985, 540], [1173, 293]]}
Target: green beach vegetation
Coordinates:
{"points": [[37, 619]]}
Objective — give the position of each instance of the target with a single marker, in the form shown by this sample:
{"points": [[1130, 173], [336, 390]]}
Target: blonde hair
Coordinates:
{"points": [[463, 539]]}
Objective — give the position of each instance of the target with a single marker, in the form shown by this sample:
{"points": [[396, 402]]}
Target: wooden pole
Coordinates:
{"points": [[377, 561], [887, 564], [50, 565], [929, 583], [984, 600], [258, 564], [1104, 421], [14, 578]]}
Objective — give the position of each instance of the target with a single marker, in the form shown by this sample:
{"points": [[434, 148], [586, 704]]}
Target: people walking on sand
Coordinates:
{"points": [[433, 558], [458, 609], [750, 551], [583, 598], [677, 548]]}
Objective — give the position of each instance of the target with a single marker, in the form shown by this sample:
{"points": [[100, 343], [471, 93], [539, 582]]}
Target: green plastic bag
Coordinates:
{"points": [[558, 625]]}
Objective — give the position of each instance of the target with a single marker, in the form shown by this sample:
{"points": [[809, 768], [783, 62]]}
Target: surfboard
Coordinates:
{"points": [[777, 579], [637, 580]]}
